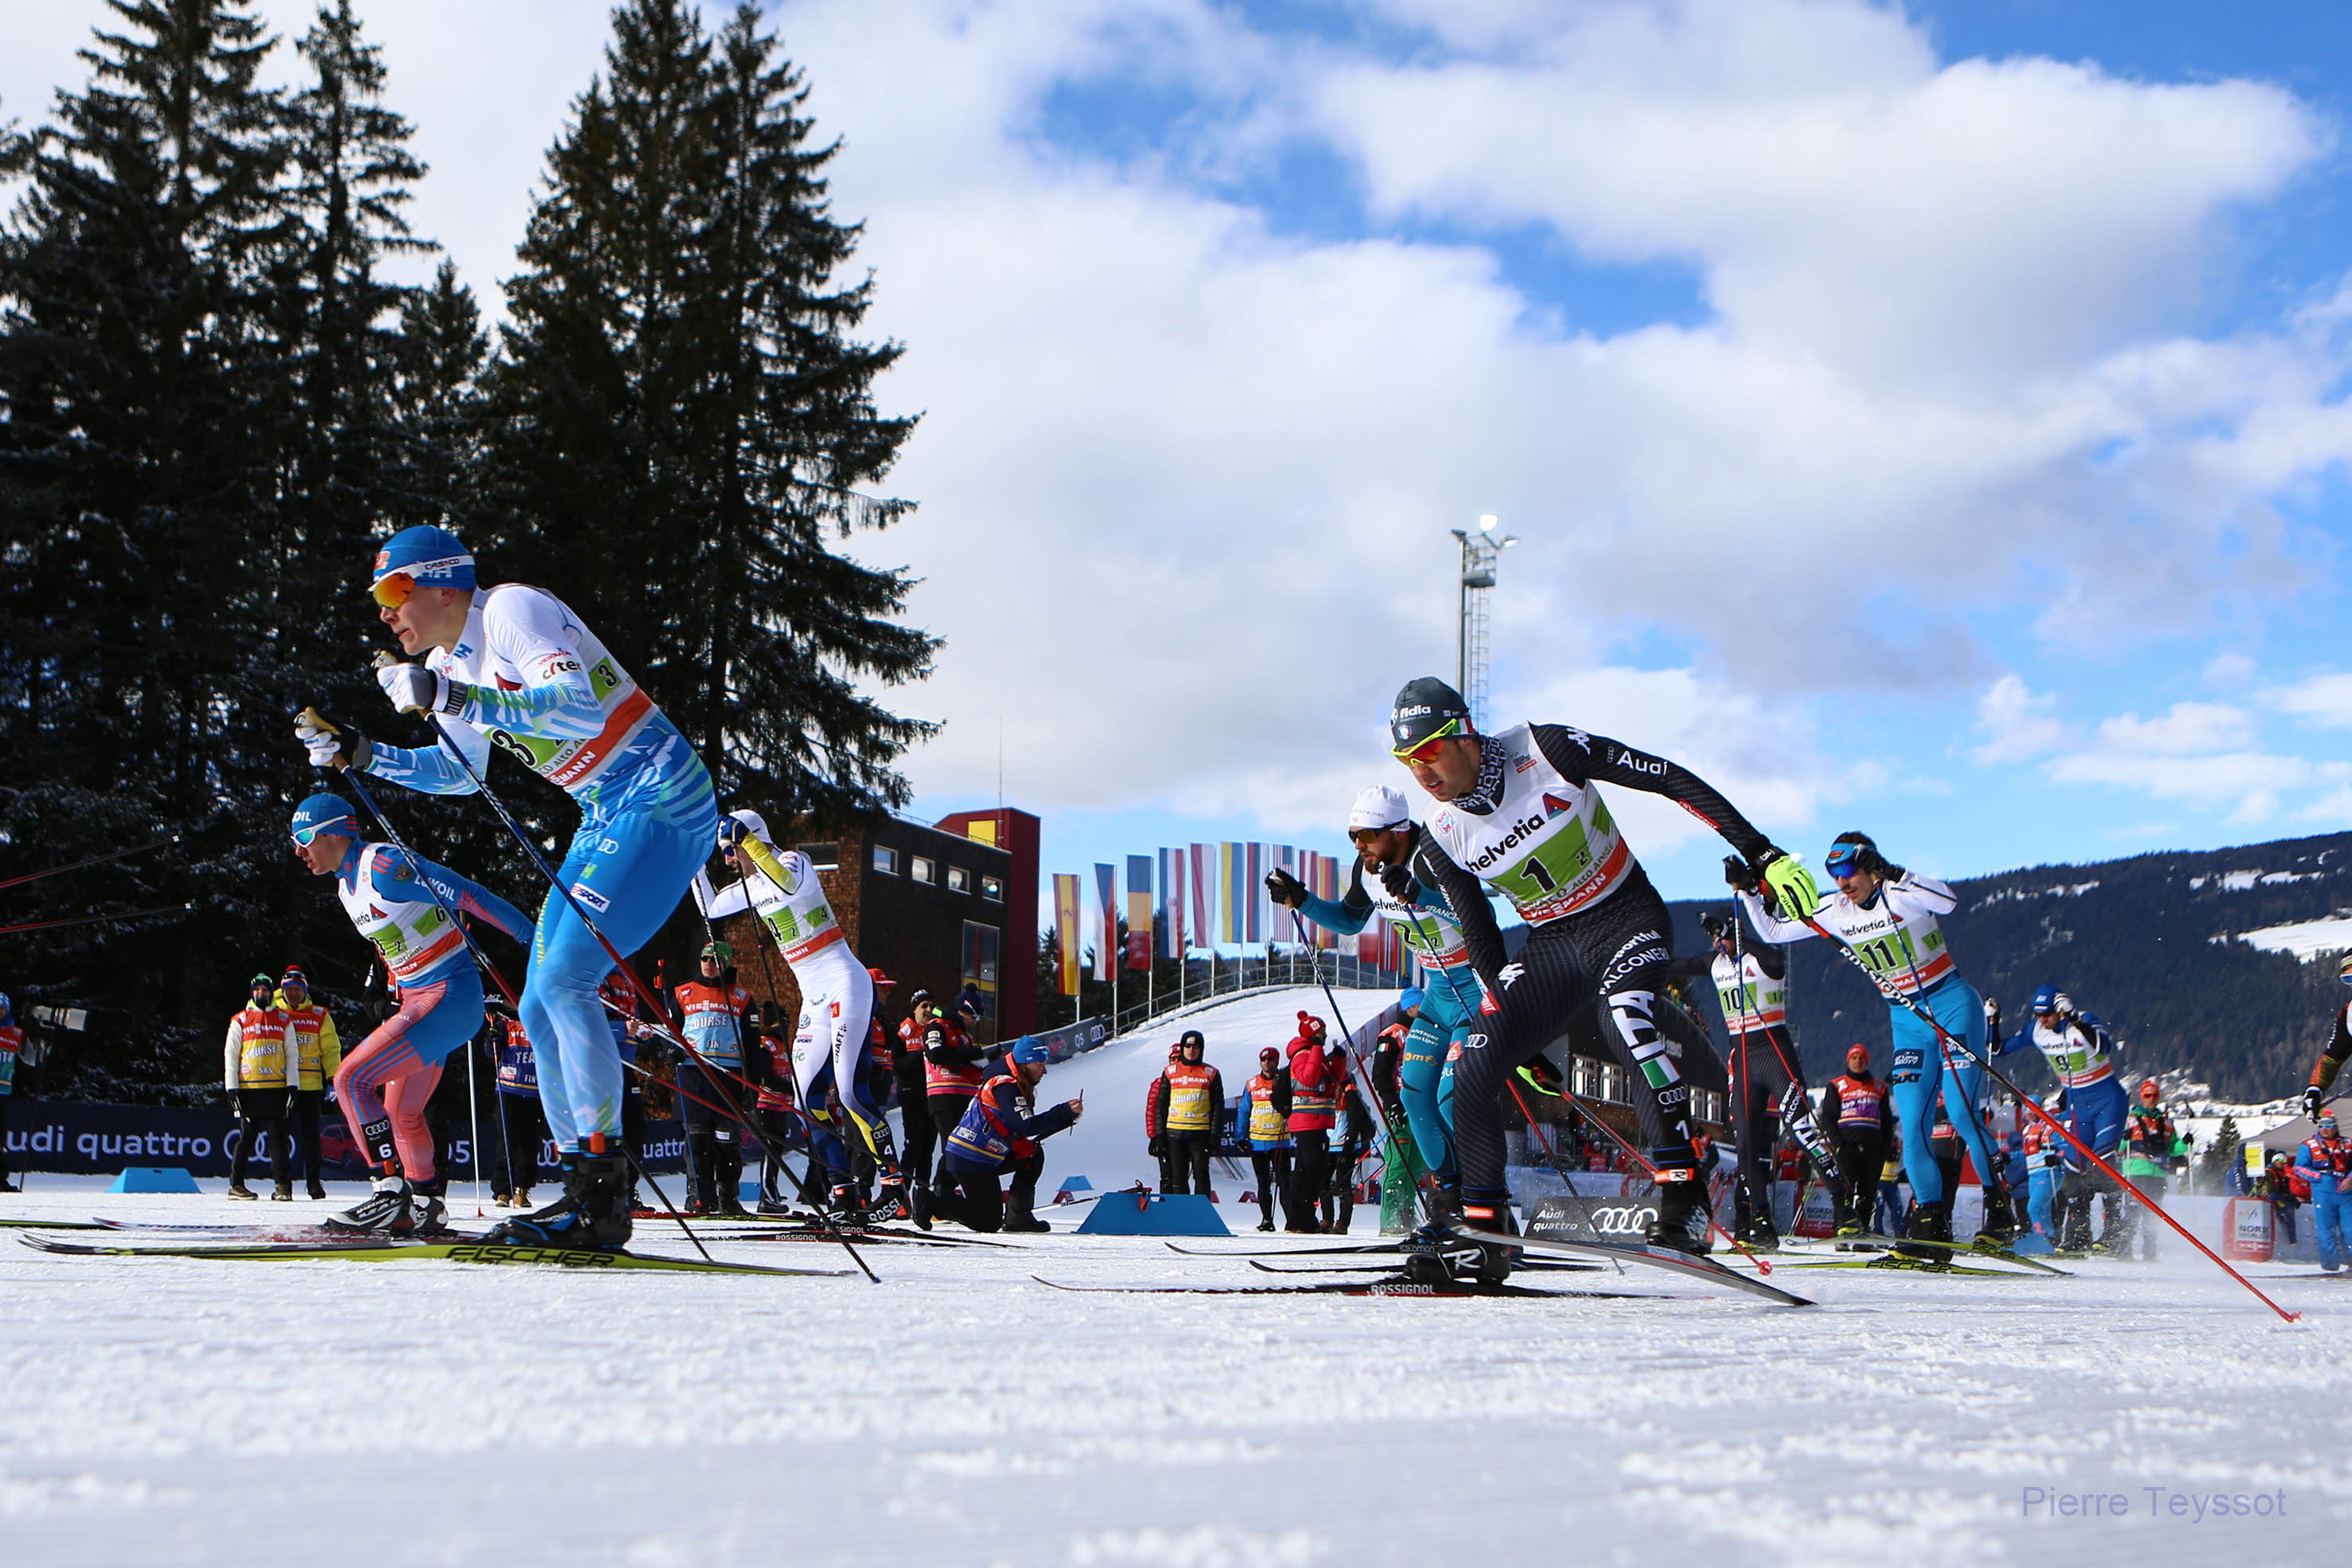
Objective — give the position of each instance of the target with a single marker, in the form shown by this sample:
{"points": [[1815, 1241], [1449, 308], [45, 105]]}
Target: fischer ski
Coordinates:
{"points": [[1687, 1264], [468, 1252], [1948, 1268], [1449, 1288]]}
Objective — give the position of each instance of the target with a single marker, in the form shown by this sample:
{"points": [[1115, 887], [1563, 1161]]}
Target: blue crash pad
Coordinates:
{"points": [[1078, 1184], [1118, 1214], [153, 1178]]}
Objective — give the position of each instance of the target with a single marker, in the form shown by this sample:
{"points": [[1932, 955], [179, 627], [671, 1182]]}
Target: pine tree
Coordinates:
{"points": [[679, 417], [137, 380]]}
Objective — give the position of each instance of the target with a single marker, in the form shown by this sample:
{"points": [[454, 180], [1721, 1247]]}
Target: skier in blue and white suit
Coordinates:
{"points": [[513, 666], [2080, 1056], [1381, 828]]}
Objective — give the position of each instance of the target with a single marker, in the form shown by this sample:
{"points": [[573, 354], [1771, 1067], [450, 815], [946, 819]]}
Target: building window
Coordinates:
{"points": [[920, 868], [824, 857], [958, 879], [886, 860], [992, 888]]}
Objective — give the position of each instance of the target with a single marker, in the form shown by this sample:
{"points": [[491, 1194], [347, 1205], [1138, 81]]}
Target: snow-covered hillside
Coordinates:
{"points": [[1107, 1146]]}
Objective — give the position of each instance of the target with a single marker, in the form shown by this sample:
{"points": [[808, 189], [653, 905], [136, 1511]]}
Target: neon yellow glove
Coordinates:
{"points": [[1792, 885]]}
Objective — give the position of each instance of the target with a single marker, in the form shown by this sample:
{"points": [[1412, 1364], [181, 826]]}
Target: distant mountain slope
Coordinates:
{"points": [[2133, 941]]}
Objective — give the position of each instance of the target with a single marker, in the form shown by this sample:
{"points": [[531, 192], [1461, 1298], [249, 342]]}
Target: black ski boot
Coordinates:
{"points": [[389, 1209], [1020, 1204], [1492, 1264], [592, 1213], [1761, 1236], [428, 1207], [1683, 1221], [730, 1178], [918, 1208], [1999, 1232], [1928, 1222]]}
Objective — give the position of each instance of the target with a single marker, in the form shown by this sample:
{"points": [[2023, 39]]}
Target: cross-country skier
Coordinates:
{"points": [[1520, 811], [514, 666], [2332, 1057], [1381, 826], [1768, 1085], [2082, 1059], [403, 905], [1887, 914], [830, 1042], [2325, 1160]]}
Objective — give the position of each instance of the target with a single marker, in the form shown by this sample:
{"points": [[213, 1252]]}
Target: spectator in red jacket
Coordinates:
{"points": [[1313, 1082], [1155, 1121]]}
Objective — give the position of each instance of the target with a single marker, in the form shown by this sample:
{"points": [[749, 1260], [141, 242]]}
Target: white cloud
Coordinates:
{"points": [[2017, 723], [2187, 728], [1184, 479], [2324, 699]]}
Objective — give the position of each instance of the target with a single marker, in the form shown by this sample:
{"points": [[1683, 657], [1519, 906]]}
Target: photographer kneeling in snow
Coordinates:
{"points": [[995, 1135]]}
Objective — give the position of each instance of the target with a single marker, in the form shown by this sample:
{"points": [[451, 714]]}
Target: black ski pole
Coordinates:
{"points": [[92, 861], [1427, 1209]]}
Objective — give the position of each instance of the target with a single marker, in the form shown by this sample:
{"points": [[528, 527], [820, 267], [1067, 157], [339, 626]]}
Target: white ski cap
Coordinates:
{"points": [[1378, 806], [756, 824]]}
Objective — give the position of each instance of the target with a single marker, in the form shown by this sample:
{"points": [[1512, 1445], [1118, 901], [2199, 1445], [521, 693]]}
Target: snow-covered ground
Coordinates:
{"points": [[166, 1412], [2306, 939]]}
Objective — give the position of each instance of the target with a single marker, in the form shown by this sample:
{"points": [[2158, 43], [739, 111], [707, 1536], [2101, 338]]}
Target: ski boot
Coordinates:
{"points": [[1492, 1264], [242, 1193], [428, 1207], [592, 1213], [283, 1193], [891, 1196], [1928, 1222], [1683, 1221], [918, 1208], [1999, 1232], [775, 1206], [318, 1193], [389, 1209], [730, 1193], [1847, 1235], [1760, 1235]]}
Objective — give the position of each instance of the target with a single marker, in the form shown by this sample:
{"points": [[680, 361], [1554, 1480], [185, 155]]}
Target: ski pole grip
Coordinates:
{"points": [[312, 715]]}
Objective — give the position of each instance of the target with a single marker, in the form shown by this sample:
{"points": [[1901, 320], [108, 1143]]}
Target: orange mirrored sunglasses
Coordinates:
{"points": [[392, 592]]}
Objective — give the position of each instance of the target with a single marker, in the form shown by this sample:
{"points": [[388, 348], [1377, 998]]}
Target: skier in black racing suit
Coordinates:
{"points": [[1518, 812]]}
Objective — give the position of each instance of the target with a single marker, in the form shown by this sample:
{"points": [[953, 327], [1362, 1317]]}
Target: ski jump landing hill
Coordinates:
{"points": [[1107, 1146]]}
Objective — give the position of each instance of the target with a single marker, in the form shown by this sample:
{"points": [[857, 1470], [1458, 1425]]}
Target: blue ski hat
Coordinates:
{"points": [[6, 1006], [1028, 1051], [430, 557], [324, 813], [2045, 1000], [1411, 999]]}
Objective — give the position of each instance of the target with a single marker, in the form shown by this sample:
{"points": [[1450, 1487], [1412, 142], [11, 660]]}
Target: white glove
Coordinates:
{"points": [[325, 747], [1992, 1008], [412, 688], [1511, 972]]}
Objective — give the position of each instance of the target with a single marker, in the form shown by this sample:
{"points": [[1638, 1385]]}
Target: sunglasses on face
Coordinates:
{"points": [[392, 592], [1426, 750], [305, 837]]}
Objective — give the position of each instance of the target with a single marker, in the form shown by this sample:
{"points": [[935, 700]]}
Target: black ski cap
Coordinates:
{"points": [[1423, 708]]}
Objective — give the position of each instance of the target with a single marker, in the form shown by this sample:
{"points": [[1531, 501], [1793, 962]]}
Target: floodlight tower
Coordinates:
{"points": [[1480, 552]]}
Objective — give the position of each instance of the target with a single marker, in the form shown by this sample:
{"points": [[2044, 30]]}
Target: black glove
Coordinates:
{"points": [[2315, 1101], [1157, 1146], [1398, 880], [1739, 874], [1285, 889]]}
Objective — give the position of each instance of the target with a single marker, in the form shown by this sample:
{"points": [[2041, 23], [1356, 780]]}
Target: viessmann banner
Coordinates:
{"points": [[74, 1138]]}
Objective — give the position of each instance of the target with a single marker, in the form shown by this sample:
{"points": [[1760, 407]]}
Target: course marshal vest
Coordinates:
{"points": [[714, 1020], [1188, 1096], [1860, 1104], [1266, 1123], [1549, 846], [1752, 1000], [261, 1048], [951, 1081], [307, 1027]]}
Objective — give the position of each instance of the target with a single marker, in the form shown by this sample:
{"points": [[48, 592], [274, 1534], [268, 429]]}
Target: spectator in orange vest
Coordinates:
{"points": [[317, 1053], [1313, 1082], [1193, 1108]]}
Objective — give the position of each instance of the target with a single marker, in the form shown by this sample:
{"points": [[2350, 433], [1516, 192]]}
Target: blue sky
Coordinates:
{"points": [[1926, 419]]}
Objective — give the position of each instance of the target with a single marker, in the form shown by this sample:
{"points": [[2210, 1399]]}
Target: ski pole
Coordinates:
{"points": [[1950, 1042], [95, 919], [92, 861]]}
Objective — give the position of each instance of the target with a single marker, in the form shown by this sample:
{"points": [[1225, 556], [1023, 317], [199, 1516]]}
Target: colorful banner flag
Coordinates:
{"points": [[1138, 912], [1204, 933], [1327, 886], [1228, 913], [1065, 929], [1172, 904], [1106, 932], [1252, 894]]}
